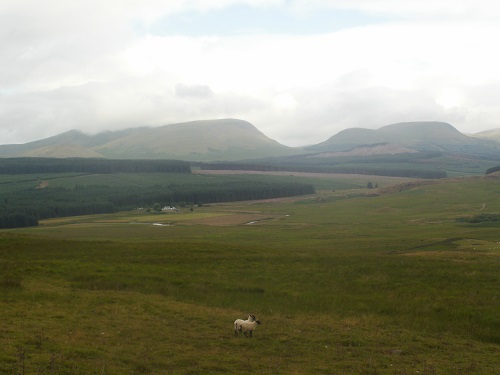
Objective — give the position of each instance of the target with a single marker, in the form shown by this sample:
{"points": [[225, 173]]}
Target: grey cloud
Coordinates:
{"points": [[78, 64], [318, 114], [193, 91], [100, 106], [49, 44], [323, 112]]}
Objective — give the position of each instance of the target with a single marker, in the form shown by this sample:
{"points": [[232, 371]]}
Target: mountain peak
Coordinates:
{"points": [[419, 125], [418, 135], [232, 139]]}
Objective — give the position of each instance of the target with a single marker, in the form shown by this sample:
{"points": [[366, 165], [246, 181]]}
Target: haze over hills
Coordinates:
{"points": [[206, 140], [227, 139], [417, 136], [232, 140], [72, 143], [493, 134]]}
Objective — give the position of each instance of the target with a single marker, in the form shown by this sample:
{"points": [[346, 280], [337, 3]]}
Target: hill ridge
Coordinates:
{"points": [[416, 135], [232, 139], [201, 140]]}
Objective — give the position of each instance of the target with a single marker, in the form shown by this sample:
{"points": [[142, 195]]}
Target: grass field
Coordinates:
{"points": [[344, 282]]}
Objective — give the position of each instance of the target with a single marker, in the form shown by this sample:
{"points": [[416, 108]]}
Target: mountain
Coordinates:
{"points": [[61, 151], [206, 140], [417, 136], [72, 143], [233, 140], [493, 134]]}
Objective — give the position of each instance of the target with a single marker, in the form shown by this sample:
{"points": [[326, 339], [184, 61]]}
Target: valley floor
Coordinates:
{"points": [[344, 282]]}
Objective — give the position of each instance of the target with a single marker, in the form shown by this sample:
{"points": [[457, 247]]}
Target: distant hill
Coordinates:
{"points": [[72, 143], [207, 140], [493, 134], [61, 151], [237, 140], [418, 136]]}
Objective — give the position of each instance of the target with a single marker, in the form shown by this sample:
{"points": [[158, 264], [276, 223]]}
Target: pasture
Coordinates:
{"points": [[344, 282]]}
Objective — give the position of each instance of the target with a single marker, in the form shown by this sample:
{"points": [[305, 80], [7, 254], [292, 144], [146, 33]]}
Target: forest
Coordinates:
{"points": [[71, 190], [90, 165], [29, 203], [402, 165], [481, 219], [493, 169]]}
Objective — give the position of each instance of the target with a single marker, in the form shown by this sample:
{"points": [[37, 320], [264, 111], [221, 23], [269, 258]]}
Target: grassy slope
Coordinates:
{"points": [[369, 285], [208, 140], [226, 139], [61, 151], [493, 134], [425, 135]]}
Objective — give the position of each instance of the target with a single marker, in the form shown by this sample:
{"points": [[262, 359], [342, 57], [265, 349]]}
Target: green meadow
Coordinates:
{"points": [[345, 281]]}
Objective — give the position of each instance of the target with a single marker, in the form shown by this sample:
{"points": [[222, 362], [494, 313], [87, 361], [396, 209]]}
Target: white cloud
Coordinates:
{"points": [[412, 9], [86, 65], [193, 91]]}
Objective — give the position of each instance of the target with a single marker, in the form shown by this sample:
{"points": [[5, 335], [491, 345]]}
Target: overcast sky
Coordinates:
{"points": [[299, 70]]}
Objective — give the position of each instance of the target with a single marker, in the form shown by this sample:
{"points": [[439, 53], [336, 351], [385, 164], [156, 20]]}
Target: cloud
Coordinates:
{"points": [[323, 111], [192, 91], [95, 65]]}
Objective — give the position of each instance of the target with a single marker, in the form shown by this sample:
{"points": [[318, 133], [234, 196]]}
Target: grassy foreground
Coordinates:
{"points": [[388, 284]]}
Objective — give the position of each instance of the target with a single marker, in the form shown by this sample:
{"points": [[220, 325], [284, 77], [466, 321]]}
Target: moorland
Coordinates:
{"points": [[401, 278], [114, 263]]}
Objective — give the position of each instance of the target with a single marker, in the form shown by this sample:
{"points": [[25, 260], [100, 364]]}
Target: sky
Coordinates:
{"points": [[299, 70]]}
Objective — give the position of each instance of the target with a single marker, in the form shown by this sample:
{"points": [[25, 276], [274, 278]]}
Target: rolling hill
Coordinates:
{"points": [[72, 143], [418, 136], [493, 134], [235, 140], [207, 140]]}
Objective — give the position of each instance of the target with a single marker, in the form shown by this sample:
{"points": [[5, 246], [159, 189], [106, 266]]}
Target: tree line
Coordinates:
{"points": [[90, 165], [413, 165], [384, 170], [480, 219], [493, 169]]}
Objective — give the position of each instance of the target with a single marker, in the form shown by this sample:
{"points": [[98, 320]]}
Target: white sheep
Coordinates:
{"points": [[246, 326]]}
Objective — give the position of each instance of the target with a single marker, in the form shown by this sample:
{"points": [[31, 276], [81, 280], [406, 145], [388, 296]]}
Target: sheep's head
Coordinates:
{"points": [[252, 318]]}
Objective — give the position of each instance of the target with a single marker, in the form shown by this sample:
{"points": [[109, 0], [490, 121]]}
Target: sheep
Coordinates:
{"points": [[246, 326]]}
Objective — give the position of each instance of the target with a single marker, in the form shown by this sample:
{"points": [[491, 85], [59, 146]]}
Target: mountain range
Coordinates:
{"points": [[413, 136], [233, 139]]}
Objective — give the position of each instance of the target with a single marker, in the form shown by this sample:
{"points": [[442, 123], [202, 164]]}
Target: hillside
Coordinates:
{"points": [[493, 134], [418, 136], [237, 140], [208, 140], [72, 143], [61, 151]]}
